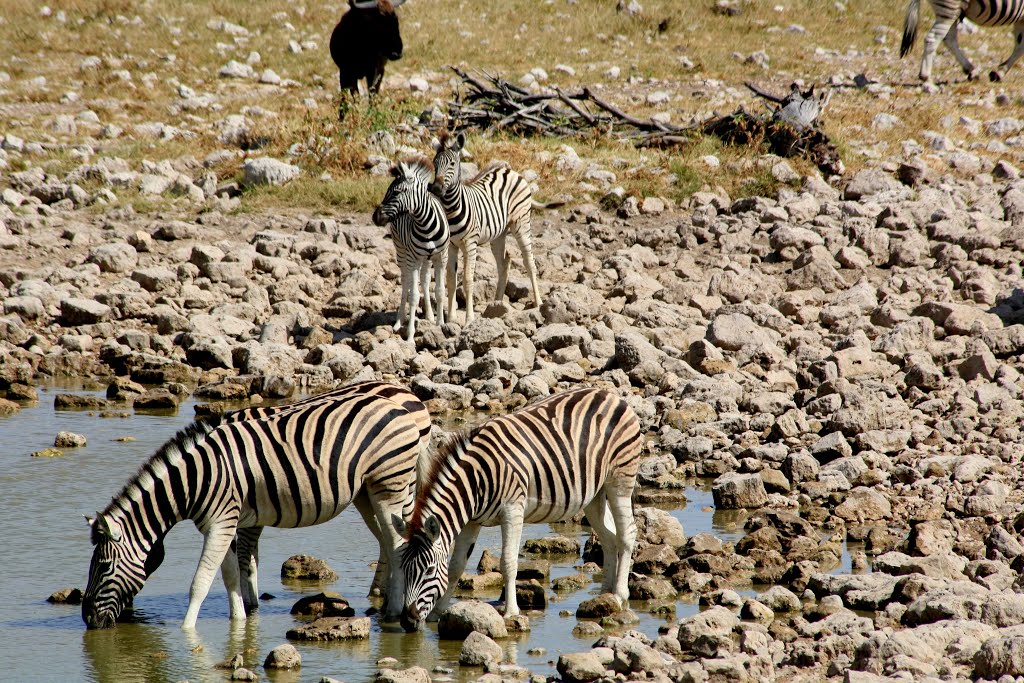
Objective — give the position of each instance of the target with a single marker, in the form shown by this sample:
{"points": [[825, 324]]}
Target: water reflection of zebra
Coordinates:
{"points": [[487, 209], [287, 466], [419, 229], [948, 15], [578, 450]]}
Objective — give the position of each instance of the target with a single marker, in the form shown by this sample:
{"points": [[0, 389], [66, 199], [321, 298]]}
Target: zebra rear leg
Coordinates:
{"points": [[620, 494], [216, 552], [501, 260], [939, 31], [1018, 51], [511, 536], [247, 545], [953, 45], [451, 282], [381, 576], [414, 304], [440, 264], [601, 521], [524, 238]]}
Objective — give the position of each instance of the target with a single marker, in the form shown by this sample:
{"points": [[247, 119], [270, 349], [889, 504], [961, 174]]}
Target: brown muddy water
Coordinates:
{"points": [[44, 546]]}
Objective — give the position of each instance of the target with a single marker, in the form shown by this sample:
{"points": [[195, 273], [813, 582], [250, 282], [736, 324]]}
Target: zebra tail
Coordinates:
{"points": [[910, 26], [546, 205]]}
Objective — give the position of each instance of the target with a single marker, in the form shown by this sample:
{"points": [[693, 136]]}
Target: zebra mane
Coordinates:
{"points": [[448, 452], [180, 443], [421, 167]]}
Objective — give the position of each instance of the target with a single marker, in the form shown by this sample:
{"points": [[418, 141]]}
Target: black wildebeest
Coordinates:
{"points": [[363, 41]]}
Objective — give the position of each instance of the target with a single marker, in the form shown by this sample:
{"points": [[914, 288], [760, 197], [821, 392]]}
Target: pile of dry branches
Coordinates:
{"points": [[490, 103]]}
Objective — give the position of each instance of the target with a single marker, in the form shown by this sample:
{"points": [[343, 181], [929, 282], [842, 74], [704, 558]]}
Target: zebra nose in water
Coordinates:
{"points": [[410, 619]]}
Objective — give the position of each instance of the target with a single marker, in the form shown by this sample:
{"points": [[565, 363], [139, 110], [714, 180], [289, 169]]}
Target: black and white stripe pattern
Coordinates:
{"points": [[487, 209], [578, 450], [287, 466], [419, 229], [948, 15]]}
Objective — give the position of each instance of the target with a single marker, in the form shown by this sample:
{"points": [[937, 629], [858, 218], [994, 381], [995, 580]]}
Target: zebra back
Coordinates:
{"points": [[557, 453], [486, 203]]}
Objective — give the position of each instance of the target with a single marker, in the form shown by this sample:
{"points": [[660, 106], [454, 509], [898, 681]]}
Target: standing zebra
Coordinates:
{"points": [[288, 466], [419, 229], [577, 450], [485, 210], [948, 15]]}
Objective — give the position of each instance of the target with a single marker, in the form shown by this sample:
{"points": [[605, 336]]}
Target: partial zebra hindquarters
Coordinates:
{"points": [[910, 24]]}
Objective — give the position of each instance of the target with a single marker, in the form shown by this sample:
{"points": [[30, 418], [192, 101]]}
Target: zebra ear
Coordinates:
{"points": [[395, 172], [435, 144], [399, 525], [460, 140], [432, 527], [90, 520], [107, 528]]}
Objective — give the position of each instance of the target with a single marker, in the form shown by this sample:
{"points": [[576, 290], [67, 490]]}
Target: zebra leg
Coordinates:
{"points": [[469, 274], [1018, 50], [464, 544], [501, 259], [376, 509], [620, 501], [439, 268], [953, 45], [524, 237], [450, 278], [400, 317], [428, 309], [216, 547], [942, 26], [511, 536], [603, 524], [247, 545], [414, 302]]}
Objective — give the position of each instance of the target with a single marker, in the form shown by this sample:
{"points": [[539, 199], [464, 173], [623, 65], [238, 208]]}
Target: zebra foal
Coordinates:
{"points": [[485, 210], [419, 229], [577, 450], [948, 15], [288, 466]]}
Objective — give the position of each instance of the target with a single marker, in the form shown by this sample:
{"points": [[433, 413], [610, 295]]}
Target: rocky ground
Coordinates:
{"points": [[844, 358], [845, 364]]}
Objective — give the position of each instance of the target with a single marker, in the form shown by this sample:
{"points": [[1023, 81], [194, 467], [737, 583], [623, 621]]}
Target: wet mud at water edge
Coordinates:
{"points": [[46, 548]]}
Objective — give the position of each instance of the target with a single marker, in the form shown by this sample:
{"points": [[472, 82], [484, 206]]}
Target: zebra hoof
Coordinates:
{"points": [[995, 76]]}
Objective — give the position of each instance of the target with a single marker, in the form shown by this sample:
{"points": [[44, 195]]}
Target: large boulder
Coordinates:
{"points": [[1000, 656], [733, 491], [328, 629], [479, 650], [464, 617], [580, 667]]}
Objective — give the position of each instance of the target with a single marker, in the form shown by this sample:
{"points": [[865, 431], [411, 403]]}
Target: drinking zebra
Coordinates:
{"points": [[419, 229], [577, 450], [288, 466], [247, 540], [948, 15], [485, 210]]}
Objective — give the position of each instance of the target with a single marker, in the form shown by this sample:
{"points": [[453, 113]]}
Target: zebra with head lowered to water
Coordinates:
{"points": [[287, 466], [948, 15], [577, 450]]}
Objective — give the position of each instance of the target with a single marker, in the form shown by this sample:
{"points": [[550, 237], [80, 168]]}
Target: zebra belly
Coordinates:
{"points": [[995, 12]]}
